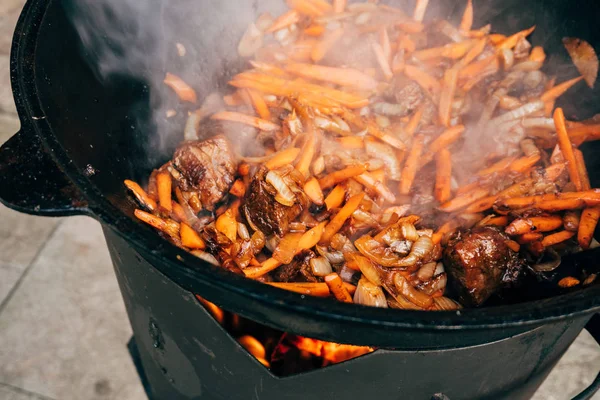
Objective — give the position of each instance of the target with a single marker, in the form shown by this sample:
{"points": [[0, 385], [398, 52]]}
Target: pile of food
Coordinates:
{"points": [[381, 160]]}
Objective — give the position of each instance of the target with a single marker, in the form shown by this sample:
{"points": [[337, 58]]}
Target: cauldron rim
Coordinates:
{"points": [[194, 274]]}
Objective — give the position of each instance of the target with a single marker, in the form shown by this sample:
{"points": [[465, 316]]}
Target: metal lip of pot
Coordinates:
{"points": [[77, 196]]}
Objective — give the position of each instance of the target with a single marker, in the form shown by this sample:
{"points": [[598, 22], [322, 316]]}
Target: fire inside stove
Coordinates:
{"points": [[283, 353]]}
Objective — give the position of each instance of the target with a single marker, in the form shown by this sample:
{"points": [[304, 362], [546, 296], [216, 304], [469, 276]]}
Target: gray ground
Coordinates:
{"points": [[63, 327]]}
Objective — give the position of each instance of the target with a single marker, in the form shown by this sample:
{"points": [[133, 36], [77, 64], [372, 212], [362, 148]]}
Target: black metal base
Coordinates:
{"points": [[134, 352]]}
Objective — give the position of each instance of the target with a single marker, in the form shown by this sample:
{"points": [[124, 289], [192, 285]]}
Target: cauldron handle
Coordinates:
{"points": [[32, 183], [593, 327]]}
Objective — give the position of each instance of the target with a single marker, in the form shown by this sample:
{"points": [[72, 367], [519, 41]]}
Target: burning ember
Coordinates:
{"points": [[281, 352]]}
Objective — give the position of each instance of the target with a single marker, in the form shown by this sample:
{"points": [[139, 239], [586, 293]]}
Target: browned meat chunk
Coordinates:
{"points": [[264, 212], [206, 167], [480, 264], [405, 94], [297, 271]]}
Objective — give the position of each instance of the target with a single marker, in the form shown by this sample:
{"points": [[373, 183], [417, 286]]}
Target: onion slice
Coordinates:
{"points": [[369, 295], [584, 57]]}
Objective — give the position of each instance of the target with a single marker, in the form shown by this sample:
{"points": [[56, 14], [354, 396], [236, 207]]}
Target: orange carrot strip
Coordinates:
{"points": [[482, 205], [352, 142], [426, 81], [339, 76], [182, 89], [497, 167], [266, 267], [525, 163], [322, 47], [476, 68], [283, 158], [411, 26], [568, 282], [587, 226], [467, 20], [227, 224], [143, 197], [313, 191], [170, 227], [590, 198], [259, 104], [337, 288], [246, 119], [312, 237], [322, 5], [238, 189], [512, 41], [464, 200], [452, 51], [305, 7], [496, 38], [314, 30], [306, 156], [514, 246], [371, 183], [530, 237], [340, 176], [339, 6], [445, 229], [310, 289], [412, 164], [190, 238], [445, 140], [566, 148], [582, 170], [443, 189], [338, 221], [164, 185], [414, 122], [497, 221], [558, 90], [447, 95], [534, 224], [475, 52], [374, 130], [335, 198], [269, 68], [289, 18], [537, 54], [420, 9], [557, 238], [560, 205]]}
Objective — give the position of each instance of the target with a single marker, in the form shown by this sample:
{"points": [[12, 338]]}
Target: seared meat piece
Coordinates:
{"points": [[266, 214], [404, 92], [480, 264], [297, 271], [206, 167]]}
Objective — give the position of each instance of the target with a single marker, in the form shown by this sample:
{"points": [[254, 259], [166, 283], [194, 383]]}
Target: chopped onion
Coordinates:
{"points": [[438, 283], [318, 166], [334, 257], [528, 66], [413, 295], [181, 50], [594, 244], [297, 227], [190, 132], [251, 41], [343, 124], [366, 267], [439, 269], [387, 155], [348, 274], [550, 265], [209, 258], [243, 231], [429, 232], [287, 248], [369, 295], [519, 113], [375, 164], [390, 109], [400, 302], [420, 249], [446, 304], [363, 18], [427, 271], [284, 193], [382, 121], [272, 243], [507, 58], [364, 217], [401, 247], [409, 232], [320, 266], [265, 21]]}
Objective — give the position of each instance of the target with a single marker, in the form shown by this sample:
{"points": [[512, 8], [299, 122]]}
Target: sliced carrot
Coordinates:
{"points": [[420, 9], [447, 96], [414, 122], [339, 76], [568, 282], [190, 238], [306, 156], [338, 221], [560, 205], [525, 163], [182, 89], [582, 170], [558, 90], [411, 26], [339, 6], [227, 225], [238, 189], [477, 68], [259, 104], [534, 224], [283, 158], [464, 200], [305, 7], [566, 147], [246, 119], [537, 54], [352, 142], [411, 166], [335, 198], [496, 221], [452, 51], [289, 18], [445, 229], [475, 52], [313, 191], [443, 189], [141, 195], [426, 81], [587, 226], [497, 167], [514, 246], [168, 226], [322, 5], [164, 185], [467, 20], [371, 183], [512, 41], [530, 237], [256, 272], [342, 175], [497, 38], [315, 30], [482, 205], [337, 288], [393, 141], [557, 238], [591, 198], [310, 289], [322, 47], [178, 213]]}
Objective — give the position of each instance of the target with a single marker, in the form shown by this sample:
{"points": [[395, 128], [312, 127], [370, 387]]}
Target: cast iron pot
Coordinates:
{"points": [[84, 133]]}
